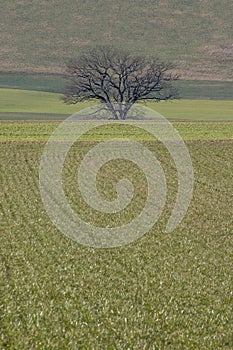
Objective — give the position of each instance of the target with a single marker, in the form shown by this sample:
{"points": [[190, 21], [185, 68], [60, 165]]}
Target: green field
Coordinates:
{"points": [[34, 131], [34, 105], [188, 89], [165, 291], [196, 36], [36, 82]]}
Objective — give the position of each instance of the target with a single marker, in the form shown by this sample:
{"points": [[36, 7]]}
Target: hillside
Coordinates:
{"points": [[196, 35]]}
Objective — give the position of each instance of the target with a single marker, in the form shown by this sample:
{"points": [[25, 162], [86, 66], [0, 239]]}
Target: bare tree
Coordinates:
{"points": [[118, 79]]}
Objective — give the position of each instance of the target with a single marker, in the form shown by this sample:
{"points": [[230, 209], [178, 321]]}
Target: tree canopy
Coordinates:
{"points": [[118, 79]]}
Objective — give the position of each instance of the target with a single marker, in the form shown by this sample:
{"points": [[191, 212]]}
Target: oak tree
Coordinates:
{"points": [[118, 79]]}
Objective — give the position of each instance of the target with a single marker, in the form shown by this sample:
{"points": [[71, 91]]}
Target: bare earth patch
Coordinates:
{"points": [[218, 50]]}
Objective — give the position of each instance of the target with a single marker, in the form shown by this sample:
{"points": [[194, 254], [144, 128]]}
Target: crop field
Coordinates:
{"points": [[164, 291], [39, 131]]}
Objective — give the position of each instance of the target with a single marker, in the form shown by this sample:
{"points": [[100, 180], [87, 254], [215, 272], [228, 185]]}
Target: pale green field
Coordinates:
{"points": [[27, 101], [22, 104], [196, 109], [164, 291], [36, 131]]}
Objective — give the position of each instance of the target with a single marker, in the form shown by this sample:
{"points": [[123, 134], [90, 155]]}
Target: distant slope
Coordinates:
{"points": [[39, 36]]}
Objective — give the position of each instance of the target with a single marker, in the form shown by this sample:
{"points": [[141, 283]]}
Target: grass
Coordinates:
{"points": [[23, 104], [196, 36], [30, 131], [20, 101], [35, 82], [205, 90], [165, 291], [189, 89], [195, 110]]}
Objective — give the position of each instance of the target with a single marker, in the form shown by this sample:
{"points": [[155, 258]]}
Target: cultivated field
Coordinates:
{"points": [[165, 291], [195, 35]]}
